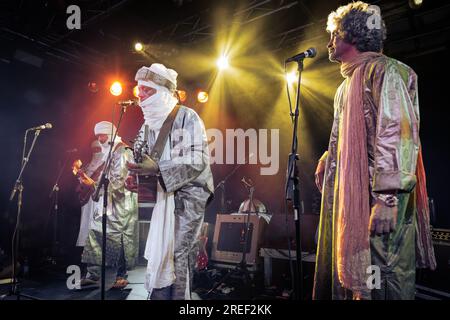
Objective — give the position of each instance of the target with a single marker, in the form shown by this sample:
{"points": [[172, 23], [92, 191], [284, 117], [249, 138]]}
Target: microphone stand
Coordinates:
{"points": [[292, 191], [55, 194], [104, 183], [18, 188], [221, 185]]}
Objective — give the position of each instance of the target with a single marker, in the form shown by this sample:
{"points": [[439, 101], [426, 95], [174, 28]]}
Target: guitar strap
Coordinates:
{"points": [[163, 135]]}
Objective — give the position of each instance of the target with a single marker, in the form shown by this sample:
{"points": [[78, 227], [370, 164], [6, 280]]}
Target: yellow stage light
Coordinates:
{"points": [[202, 96], [116, 88], [415, 4], [292, 77], [222, 63], [136, 91], [138, 46]]}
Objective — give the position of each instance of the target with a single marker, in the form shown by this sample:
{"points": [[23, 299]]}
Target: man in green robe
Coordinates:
{"points": [[122, 216], [374, 225]]}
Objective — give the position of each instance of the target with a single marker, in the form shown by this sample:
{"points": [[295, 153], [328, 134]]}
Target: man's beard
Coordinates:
{"points": [[332, 56]]}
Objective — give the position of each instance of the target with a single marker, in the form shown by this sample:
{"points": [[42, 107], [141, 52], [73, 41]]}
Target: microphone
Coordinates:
{"points": [[310, 53], [41, 127], [72, 150], [248, 184], [127, 103]]}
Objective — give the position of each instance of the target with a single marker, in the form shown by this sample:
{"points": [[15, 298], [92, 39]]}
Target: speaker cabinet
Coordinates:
{"points": [[229, 238], [438, 279]]}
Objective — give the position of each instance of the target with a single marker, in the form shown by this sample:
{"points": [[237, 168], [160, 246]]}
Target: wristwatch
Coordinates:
{"points": [[389, 199]]}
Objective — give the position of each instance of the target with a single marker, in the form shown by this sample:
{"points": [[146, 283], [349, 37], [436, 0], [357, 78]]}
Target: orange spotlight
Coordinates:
{"points": [[116, 88], [182, 95], [92, 86], [136, 91], [202, 96]]}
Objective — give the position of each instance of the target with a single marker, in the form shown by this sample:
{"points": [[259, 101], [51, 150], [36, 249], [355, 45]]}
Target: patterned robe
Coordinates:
{"points": [[192, 183], [122, 226], [391, 112]]}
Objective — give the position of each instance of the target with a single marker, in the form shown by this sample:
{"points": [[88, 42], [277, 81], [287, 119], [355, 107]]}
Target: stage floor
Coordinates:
{"points": [[51, 285]]}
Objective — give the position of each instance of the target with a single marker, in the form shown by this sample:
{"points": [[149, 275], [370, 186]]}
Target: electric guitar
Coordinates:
{"points": [[202, 256], [146, 184]]}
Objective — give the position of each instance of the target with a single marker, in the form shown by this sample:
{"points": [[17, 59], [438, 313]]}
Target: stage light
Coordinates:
{"points": [[292, 77], [138, 46], [92, 86], [116, 88], [182, 95], [415, 4], [136, 91], [222, 63], [202, 96]]}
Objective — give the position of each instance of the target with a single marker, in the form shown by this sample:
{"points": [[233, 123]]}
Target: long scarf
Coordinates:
{"points": [[353, 246], [425, 257], [160, 245]]}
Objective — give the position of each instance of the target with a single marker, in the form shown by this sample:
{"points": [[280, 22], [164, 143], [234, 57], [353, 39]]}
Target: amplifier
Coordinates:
{"points": [[229, 238], [438, 279], [440, 236]]}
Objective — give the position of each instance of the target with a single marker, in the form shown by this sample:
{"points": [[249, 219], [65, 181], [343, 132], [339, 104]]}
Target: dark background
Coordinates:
{"points": [[45, 69]]}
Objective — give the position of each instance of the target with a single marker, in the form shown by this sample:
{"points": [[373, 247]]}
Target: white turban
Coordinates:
{"points": [[157, 107], [105, 127], [159, 75]]}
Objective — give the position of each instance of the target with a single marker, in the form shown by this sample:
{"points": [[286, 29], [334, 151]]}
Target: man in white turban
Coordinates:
{"points": [[122, 227], [184, 185], [91, 170]]}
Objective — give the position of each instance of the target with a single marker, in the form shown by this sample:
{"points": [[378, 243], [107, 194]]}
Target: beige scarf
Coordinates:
{"points": [[353, 246]]}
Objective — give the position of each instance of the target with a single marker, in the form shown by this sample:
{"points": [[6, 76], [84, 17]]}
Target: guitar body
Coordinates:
{"points": [[147, 193], [84, 193], [84, 189], [147, 186], [202, 257]]}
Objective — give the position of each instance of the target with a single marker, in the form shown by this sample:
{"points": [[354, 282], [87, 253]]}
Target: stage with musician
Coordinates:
{"points": [[239, 150]]}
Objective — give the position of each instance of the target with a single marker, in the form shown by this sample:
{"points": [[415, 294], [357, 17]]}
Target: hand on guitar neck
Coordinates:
{"points": [[80, 174], [86, 187], [147, 167]]}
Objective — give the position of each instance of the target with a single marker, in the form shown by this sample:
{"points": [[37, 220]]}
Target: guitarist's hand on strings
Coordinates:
{"points": [[147, 167], [86, 180]]}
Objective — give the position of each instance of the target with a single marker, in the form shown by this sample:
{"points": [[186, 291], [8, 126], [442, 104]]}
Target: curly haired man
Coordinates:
{"points": [[374, 225]]}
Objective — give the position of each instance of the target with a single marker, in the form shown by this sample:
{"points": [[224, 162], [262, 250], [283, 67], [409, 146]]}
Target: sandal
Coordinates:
{"points": [[120, 283]]}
